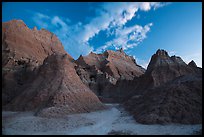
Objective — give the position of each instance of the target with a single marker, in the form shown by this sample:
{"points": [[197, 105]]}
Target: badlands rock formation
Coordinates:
{"points": [[56, 90], [23, 51], [169, 91], [99, 71], [177, 101], [161, 69], [39, 75]]}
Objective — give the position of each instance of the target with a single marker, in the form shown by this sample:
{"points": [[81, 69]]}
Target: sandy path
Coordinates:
{"points": [[114, 120]]}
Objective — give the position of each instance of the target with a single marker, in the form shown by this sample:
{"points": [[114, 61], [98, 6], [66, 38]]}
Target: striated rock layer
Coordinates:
{"points": [[170, 91], [100, 71], [39, 75], [163, 68], [56, 90], [23, 51]]}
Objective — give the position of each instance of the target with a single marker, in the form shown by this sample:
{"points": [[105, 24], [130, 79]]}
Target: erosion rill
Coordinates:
{"points": [[101, 72], [38, 74], [170, 91]]}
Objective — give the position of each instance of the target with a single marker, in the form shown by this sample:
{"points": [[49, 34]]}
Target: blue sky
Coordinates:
{"points": [[139, 28]]}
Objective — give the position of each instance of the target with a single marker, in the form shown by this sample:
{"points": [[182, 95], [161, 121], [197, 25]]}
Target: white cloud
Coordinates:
{"points": [[41, 20], [145, 6], [67, 34], [127, 37], [110, 17], [56, 20], [42, 16], [113, 15], [171, 53], [160, 4], [148, 5]]}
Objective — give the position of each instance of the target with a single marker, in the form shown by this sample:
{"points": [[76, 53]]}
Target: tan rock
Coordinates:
{"points": [[100, 71], [39, 75]]}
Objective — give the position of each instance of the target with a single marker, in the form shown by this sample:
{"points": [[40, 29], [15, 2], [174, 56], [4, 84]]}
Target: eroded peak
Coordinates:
{"points": [[192, 64], [161, 52]]}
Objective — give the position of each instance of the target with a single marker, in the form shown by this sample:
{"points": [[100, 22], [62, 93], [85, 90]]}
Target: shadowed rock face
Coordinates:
{"points": [[39, 75], [170, 91], [177, 101], [163, 68], [192, 64], [100, 71]]}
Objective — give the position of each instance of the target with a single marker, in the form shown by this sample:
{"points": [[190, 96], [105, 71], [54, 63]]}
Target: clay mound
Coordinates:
{"points": [[178, 101], [23, 51], [56, 91]]}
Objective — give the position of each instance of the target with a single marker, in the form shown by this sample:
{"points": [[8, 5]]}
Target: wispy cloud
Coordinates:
{"points": [[171, 53], [160, 4], [127, 37], [41, 20], [113, 15], [110, 17], [66, 33]]}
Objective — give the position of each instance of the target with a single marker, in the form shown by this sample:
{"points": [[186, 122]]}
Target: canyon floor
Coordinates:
{"points": [[114, 121]]}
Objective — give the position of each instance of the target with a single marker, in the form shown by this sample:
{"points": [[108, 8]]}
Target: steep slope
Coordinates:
{"points": [[56, 90], [163, 68], [23, 51], [39, 75], [177, 101], [170, 91], [117, 64], [99, 71], [192, 64], [122, 90]]}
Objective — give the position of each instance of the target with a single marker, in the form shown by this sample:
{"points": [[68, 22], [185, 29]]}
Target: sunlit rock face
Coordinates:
{"points": [[23, 51], [100, 71], [56, 90], [39, 75]]}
